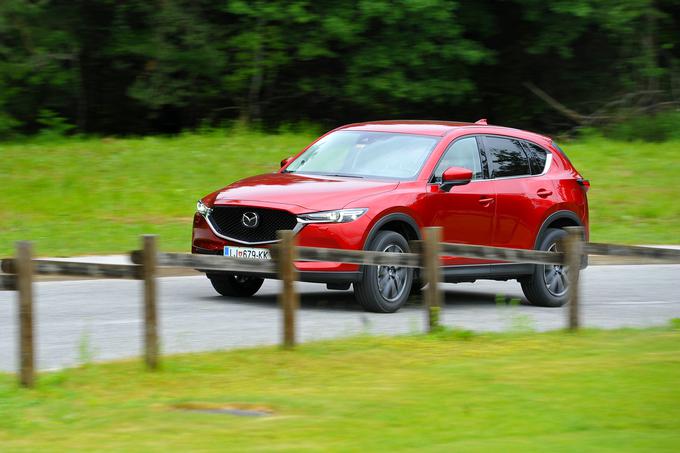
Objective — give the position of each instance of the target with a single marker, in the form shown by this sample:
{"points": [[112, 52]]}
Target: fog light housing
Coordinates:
{"points": [[202, 209]]}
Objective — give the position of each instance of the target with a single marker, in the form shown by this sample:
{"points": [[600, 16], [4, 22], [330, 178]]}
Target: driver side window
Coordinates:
{"points": [[463, 153]]}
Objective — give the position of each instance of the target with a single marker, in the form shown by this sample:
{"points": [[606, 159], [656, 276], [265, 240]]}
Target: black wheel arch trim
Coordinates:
{"points": [[563, 214], [395, 216]]}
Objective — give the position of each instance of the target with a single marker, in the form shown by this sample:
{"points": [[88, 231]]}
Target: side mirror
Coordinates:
{"points": [[455, 176], [285, 161]]}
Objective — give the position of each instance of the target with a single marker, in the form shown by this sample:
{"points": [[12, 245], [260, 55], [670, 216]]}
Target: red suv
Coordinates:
{"points": [[376, 185]]}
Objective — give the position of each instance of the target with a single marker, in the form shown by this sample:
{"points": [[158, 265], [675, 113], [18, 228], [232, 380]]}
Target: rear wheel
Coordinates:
{"points": [[232, 285], [548, 286], [418, 284], [385, 289]]}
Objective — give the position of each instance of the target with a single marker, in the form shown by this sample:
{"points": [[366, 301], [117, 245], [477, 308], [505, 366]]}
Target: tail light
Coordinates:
{"points": [[584, 183]]}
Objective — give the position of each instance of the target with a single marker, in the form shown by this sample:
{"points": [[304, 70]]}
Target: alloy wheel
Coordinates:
{"points": [[556, 277], [391, 279]]}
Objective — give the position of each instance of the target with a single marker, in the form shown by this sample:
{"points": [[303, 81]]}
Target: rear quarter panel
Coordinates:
{"points": [[569, 195]]}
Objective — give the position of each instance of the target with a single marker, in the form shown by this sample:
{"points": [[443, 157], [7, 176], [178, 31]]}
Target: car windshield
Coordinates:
{"points": [[366, 154]]}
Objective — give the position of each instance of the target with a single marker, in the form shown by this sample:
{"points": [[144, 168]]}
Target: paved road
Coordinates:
{"points": [[104, 315]]}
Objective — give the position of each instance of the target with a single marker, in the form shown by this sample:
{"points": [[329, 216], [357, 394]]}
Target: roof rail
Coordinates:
{"points": [[482, 122]]}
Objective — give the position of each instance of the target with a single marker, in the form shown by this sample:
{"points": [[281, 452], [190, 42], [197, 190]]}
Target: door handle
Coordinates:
{"points": [[486, 201], [543, 193]]}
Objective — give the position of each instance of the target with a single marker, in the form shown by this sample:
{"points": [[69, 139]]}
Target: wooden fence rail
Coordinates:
{"points": [[359, 257], [8, 283], [669, 256], [503, 254], [208, 262], [425, 255], [95, 270]]}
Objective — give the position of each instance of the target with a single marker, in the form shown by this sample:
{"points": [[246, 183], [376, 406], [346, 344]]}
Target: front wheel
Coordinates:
{"points": [[385, 289], [548, 286], [232, 285]]}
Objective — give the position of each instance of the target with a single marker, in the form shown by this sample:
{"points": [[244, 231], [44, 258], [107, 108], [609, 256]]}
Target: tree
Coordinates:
{"points": [[138, 66]]}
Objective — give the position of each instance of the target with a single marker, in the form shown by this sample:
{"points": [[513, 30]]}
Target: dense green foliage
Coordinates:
{"points": [[134, 66], [593, 391], [655, 128], [93, 195]]}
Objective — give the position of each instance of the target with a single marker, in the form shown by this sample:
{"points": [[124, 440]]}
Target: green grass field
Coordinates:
{"points": [[556, 392], [80, 196]]}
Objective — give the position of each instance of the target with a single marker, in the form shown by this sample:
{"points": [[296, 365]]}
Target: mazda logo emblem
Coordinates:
{"points": [[250, 219]]}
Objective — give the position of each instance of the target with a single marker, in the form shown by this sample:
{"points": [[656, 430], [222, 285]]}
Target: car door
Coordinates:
{"points": [[521, 196], [466, 213]]}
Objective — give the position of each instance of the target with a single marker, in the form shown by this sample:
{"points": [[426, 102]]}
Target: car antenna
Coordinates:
{"points": [[482, 122]]}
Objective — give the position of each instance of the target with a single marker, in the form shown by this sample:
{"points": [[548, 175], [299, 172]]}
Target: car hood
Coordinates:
{"points": [[308, 192]]}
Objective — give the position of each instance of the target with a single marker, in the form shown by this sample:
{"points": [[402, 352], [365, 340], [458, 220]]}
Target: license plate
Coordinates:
{"points": [[247, 252]]}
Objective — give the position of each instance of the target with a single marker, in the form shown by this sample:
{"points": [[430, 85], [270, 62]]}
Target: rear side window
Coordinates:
{"points": [[537, 157], [507, 157], [463, 153]]}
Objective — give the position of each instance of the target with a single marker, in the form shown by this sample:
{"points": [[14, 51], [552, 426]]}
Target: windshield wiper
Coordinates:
{"points": [[342, 176]]}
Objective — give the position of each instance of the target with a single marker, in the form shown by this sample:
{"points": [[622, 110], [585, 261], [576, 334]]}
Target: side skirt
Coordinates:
{"points": [[457, 274]]}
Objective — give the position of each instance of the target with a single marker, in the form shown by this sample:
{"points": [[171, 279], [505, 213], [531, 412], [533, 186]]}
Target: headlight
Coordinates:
{"points": [[202, 208], [339, 216]]}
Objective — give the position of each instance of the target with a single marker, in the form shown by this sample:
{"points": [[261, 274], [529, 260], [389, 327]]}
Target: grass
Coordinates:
{"points": [[96, 195], [83, 196], [592, 391], [635, 194]]}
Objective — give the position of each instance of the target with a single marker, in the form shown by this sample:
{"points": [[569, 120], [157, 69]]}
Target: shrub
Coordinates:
{"points": [[653, 128]]}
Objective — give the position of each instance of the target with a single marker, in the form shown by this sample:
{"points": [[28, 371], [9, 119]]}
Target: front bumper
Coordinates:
{"points": [[350, 235]]}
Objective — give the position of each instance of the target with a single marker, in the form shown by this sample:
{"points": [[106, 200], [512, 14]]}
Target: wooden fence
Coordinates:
{"points": [[23, 267]]}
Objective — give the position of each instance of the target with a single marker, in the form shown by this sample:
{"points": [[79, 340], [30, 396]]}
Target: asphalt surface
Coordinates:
{"points": [[95, 320]]}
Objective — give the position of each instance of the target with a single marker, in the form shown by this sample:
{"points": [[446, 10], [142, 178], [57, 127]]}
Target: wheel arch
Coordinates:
{"points": [[559, 219], [398, 222]]}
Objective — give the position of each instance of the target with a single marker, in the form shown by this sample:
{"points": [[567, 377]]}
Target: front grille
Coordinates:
{"points": [[228, 221]]}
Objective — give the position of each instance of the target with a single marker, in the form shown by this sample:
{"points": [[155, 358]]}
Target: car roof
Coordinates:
{"points": [[441, 128]]}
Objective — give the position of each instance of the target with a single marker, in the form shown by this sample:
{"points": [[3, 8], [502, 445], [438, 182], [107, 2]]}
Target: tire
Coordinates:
{"points": [[392, 292], [548, 285], [231, 285], [417, 285]]}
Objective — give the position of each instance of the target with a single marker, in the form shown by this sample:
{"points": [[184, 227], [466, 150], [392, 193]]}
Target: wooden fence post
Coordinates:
{"points": [[288, 298], [24, 286], [573, 257], [150, 309], [432, 276]]}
